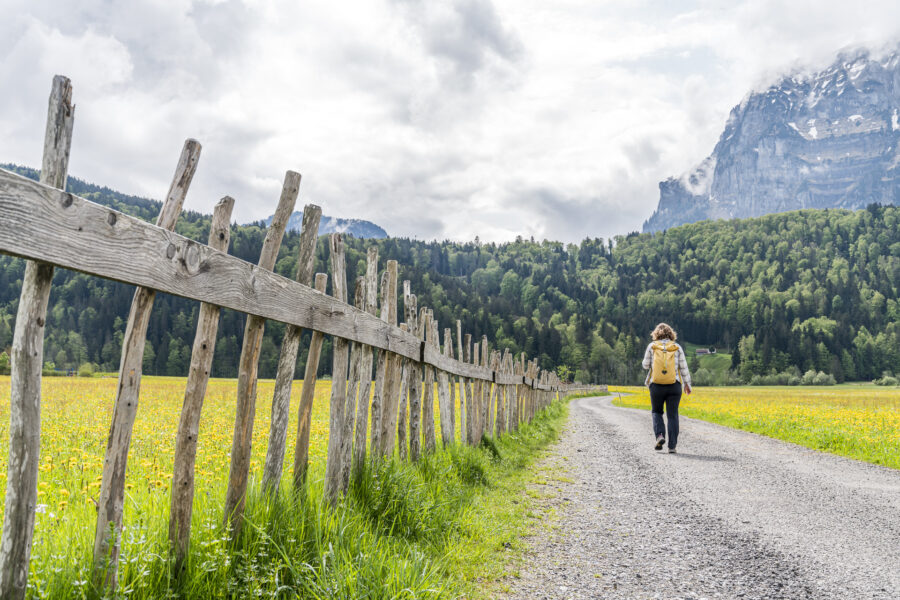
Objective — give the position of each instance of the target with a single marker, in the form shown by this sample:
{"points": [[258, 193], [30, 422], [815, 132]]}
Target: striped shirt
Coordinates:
{"points": [[681, 361]]}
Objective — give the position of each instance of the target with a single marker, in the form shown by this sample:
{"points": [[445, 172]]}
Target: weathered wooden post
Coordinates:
{"points": [[469, 385], [248, 367], [182, 499], [428, 433], [287, 360], [485, 406], [362, 417], [445, 400], [27, 361], [463, 393], [353, 386], [402, 405], [382, 365], [392, 373], [307, 395], [415, 385], [112, 487], [338, 378], [475, 403], [494, 396]]}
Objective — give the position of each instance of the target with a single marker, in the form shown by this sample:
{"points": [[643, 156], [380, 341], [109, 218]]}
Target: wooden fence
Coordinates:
{"points": [[51, 228]]}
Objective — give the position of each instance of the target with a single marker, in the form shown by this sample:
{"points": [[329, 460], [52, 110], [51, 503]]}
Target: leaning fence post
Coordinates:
{"points": [[353, 386], [182, 499], [307, 395], [338, 377], [391, 398], [463, 391], [248, 367], [287, 359], [428, 433], [27, 360], [382, 366], [362, 415], [112, 487], [402, 405], [475, 399], [445, 400]]}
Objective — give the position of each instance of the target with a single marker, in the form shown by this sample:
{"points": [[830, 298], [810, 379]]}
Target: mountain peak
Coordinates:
{"points": [[356, 227], [829, 139]]}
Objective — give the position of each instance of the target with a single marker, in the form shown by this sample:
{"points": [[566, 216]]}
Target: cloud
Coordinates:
{"points": [[448, 119]]}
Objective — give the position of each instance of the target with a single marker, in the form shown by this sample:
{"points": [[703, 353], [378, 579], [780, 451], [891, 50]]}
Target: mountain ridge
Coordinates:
{"points": [[826, 140]]}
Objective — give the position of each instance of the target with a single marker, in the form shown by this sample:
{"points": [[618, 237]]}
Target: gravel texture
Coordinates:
{"points": [[732, 515]]}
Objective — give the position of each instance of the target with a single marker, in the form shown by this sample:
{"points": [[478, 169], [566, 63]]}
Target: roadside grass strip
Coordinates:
{"points": [[853, 421], [445, 527]]}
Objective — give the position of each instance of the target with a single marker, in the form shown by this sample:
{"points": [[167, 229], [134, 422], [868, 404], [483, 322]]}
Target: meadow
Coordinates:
{"points": [[439, 528], [856, 421]]}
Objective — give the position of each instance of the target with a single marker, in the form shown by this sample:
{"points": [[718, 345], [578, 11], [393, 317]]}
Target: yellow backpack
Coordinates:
{"points": [[664, 362]]}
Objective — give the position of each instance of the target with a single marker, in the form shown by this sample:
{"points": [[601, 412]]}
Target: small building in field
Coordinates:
{"points": [[702, 351]]}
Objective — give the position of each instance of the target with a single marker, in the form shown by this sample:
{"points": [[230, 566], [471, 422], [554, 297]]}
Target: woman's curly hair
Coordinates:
{"points": [[664, 332]]}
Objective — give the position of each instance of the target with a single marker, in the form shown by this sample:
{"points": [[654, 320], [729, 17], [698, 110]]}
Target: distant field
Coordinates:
{"points": [[857, 421], [717, 363]]}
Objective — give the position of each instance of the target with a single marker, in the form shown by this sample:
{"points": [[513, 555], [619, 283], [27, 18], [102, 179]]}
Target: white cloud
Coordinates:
{"points": [[433, 119]]}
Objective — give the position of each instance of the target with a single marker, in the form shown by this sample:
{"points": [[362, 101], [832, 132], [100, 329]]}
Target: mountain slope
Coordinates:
{"points": [[830, 140], [356, 227]]}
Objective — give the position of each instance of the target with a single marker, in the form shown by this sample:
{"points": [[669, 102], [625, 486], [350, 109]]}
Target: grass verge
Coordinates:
{"points": [[445, 527], [861, 423]]}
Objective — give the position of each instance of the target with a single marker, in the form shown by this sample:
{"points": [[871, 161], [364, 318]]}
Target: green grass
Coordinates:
{"points": [[856, 421], [448, 526], [718, 363]]}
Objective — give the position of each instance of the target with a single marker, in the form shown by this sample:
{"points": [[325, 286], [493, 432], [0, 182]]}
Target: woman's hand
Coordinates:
{"points": [[687, 389]]}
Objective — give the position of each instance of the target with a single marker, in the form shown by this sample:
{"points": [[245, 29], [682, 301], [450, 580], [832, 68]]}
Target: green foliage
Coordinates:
{"points": [[86, 370], [812, 289], [4, 363], [439, 528]]}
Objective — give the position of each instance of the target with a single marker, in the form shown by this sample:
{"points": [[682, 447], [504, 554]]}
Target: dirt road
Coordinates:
{"points": [[732, 515]]}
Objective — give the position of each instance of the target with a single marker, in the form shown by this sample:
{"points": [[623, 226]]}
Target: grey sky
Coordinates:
{"points": [[434, 119]]}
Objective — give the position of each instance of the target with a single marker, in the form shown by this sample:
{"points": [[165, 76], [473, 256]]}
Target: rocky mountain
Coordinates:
{"points": [[827, 140], [355, 227]]}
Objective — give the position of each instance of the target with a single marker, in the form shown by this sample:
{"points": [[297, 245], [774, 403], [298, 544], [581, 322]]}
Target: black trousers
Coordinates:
{"points": [[668, 395]]}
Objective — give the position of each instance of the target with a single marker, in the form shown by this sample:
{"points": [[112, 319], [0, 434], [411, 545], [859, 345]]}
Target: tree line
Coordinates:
{"points": [[806, 290]]}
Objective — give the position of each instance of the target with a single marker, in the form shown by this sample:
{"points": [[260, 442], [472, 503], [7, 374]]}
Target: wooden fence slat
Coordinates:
{"points": [[463, 393], [475, 401], [27, 361], [248, 366], [112, 486], [307, 395], [338, 377], [429, 442], [40, 223], [182, 498], [362, 417], [353, 386], [392, 373], [445, 400], [287, 358], [402, 406], [382, 364], [415, 386]]}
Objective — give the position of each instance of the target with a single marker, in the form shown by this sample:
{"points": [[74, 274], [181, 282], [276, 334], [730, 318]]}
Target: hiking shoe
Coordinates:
{"points": [[659, 442], [672, 451]]}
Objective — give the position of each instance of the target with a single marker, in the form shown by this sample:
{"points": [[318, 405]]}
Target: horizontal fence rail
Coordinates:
{"points": [[490, 392], [52, 226]]}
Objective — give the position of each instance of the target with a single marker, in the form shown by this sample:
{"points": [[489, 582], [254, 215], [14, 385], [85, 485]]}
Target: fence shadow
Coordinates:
{"points": [[704, 457]]}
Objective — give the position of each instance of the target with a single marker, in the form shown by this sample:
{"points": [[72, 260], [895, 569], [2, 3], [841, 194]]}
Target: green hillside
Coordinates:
{"points": [[792, 291]]}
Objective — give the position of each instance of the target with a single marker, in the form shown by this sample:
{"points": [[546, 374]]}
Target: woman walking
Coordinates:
{"points": [[667, 372]]}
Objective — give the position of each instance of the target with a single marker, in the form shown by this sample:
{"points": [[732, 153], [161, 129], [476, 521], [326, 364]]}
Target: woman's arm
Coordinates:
{"points": [[648, 357]]}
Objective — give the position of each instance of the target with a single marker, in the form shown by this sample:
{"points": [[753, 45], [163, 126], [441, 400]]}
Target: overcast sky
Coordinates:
{"points": [[439, 119]]}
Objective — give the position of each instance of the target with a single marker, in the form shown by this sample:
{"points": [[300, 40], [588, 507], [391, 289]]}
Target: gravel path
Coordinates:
{"points": [[732, 515]]}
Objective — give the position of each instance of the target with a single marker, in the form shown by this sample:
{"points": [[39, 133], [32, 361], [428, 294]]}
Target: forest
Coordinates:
{"points": [[790, 292]]}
